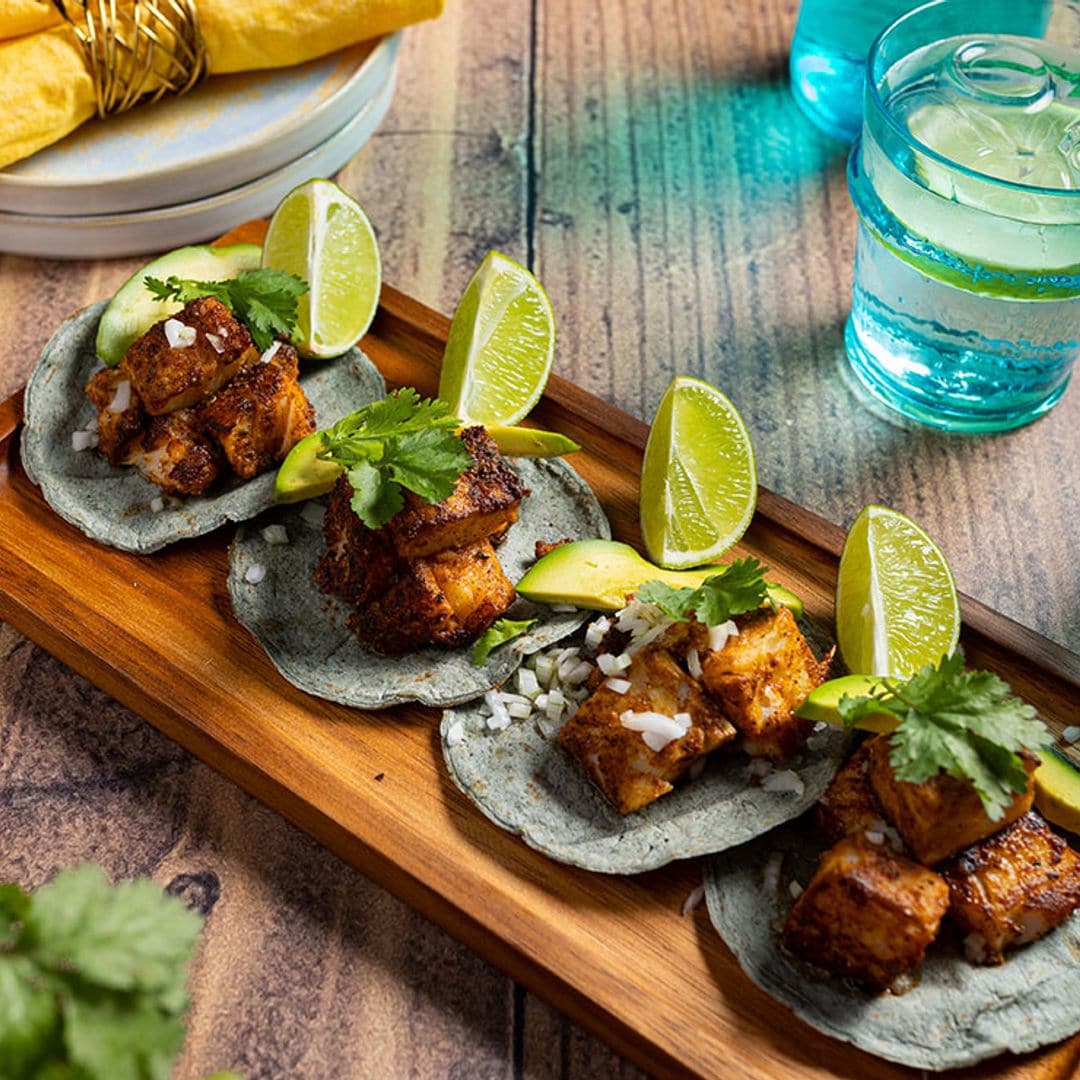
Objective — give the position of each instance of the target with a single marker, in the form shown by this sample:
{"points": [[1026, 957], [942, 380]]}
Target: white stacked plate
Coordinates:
{"points": [[187, 169]]}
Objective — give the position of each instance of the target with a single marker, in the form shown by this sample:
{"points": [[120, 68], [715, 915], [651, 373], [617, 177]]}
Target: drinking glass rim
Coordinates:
{"points": [[906, 134]]}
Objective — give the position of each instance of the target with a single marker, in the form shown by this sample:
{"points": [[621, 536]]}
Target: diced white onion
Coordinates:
{"points": [[795, 889], [619, 686], [874, 836], [313, 514], [1071, 734], [270, 352], [718, 635], [770, 878], [656, 729], [275, 534], [596, 631], [579, 673], [255, 573], [519, 711], [216, 343], [545, 669], [178, 335], [759, 767], [693, 663], [527, 683], [83, 440], [157, 504], [784, 780], [455, 733], [121, 399], [541, 701], [693, 899], [610, 664]]}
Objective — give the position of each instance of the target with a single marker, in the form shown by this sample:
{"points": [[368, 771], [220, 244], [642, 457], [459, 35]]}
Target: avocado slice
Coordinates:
{"points": [[597, 575], [529, 442], [823, 703], [134, 308], [303, 475], [1057, 789]]}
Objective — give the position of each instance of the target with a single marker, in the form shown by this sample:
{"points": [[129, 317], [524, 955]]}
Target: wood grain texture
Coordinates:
{"points": [[612, 951], [646, 158]]}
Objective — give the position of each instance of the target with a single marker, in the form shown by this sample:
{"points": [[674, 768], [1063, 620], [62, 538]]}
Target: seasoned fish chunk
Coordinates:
{"points": [[261, 414], [1012, 888], [448, 599], [120, 413], [484, 501], [943, 815], [359, 563], [867, 913], [173, 453], [618, 759], [760, 677], [849, 806], [168, 377]]}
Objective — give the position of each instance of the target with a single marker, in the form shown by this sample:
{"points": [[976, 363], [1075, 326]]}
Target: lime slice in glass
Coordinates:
{"points": [[501, 346], [321, 234], [896, 605], [699, 477]]}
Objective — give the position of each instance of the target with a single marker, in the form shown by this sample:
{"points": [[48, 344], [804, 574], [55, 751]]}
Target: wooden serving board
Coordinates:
{"points": [[614, 953]]}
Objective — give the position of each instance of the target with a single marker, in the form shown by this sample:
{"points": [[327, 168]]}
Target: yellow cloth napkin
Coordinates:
{"points": [[46, 92]]}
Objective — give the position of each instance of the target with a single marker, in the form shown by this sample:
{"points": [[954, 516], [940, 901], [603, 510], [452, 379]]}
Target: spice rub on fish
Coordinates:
{"points": [[430, 575], [737, 684], [192, 398]]}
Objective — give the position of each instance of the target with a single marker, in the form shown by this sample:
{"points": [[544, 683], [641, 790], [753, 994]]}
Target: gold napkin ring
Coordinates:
{"points": [[137, 50]]}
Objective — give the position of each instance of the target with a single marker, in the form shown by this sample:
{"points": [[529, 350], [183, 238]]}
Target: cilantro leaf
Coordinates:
{"points": [[965, 723], [735, 589], [126, 936], [28, 1017], [499, 633], [404, 441], [375, 499], [264, 300]]}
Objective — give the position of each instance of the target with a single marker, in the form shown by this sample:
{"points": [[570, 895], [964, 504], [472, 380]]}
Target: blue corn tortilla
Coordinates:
{"points": [[304, 633], [112, 505], [957, 1014], [530, 786]]}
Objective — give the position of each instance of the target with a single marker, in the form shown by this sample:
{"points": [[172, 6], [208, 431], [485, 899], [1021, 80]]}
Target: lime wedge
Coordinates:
{"points": [[323, 236], [501, 345], [896, 606], [699, 478]]}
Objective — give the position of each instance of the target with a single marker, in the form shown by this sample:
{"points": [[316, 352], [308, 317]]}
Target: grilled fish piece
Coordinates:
{"points": [[759, 677], [449, 599], [120, 413], [173, 453], [942, 815], [484, 502], [867, 913], [1012, 888], [359, 563], [617, 759], [261, 414], [168, 378], [849, 806]]}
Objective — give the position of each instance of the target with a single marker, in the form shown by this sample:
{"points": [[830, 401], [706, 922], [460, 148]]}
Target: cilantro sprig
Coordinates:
{"points": [[404, 441], [735, 589], [264, 300], [92, 977], [499, 633], [966, 723]]}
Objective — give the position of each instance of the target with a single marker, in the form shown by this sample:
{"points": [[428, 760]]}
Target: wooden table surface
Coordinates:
{"points": [[646, 161]]}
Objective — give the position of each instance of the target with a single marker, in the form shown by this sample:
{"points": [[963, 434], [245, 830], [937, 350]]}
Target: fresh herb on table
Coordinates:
{"points": [[499, 633], [264, 300], [735, 589], [92, 977], [404, 441], [965, 722]]}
